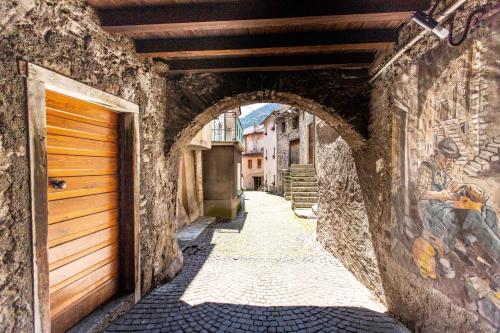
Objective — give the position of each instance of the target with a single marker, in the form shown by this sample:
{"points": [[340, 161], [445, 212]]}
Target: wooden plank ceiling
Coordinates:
{"points": [[199, 36]]}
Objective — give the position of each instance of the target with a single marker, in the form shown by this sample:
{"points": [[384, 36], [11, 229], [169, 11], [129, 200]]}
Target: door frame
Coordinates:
{"points": [[311, 129], [39, 79], [290, 151]]}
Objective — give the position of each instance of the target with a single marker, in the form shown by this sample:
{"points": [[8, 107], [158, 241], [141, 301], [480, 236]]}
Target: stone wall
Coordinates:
{"points": [[64, 36], [419, 101], [337, 96], [283, 139], [343, 227]]}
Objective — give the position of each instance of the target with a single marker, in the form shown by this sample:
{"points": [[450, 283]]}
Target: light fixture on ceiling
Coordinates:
{"points": [[430, 24]]}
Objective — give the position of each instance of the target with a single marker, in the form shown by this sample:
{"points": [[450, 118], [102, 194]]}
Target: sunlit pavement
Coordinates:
{"points": [[262, 272]]}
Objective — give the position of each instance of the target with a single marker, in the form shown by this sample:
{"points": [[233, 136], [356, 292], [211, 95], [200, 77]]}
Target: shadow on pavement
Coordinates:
{"points": [[164, 310]]}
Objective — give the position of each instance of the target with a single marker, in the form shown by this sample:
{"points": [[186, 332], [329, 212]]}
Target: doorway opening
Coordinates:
{"points": [[257, 183], [85, 192]]}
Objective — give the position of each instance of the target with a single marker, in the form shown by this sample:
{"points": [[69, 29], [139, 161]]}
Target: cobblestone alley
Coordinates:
{"points": [[262, 272]]}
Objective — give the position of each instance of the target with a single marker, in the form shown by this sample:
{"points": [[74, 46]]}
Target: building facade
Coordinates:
{"points": [[295, 141], [269, 143], [222, 167], [253, 158], [190, 183]]}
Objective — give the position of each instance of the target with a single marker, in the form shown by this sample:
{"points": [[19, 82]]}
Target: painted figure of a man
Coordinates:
{"points": [[451, 211]]}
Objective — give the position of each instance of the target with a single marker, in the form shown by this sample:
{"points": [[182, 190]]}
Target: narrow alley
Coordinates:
{"points": [[249, 165], [261, 272]]}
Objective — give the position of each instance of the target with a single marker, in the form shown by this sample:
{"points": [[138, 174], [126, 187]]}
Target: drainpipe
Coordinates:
{"points": [[441, 18]]}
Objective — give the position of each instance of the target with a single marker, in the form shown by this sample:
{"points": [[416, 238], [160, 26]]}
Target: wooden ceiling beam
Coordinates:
{"points": [[253, 13], [275, 44], [282, 63]]}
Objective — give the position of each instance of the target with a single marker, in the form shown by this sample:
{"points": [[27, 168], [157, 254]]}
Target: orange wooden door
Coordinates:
{"points": [[82, 166]]}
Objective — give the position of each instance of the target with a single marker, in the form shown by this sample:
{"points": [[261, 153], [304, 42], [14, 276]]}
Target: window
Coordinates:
{"points": [[295, 122], [249, 164], [259, 163], [283, 126]]}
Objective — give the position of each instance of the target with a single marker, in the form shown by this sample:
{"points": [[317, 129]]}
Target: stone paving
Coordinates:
{"points": [[262, 272]]}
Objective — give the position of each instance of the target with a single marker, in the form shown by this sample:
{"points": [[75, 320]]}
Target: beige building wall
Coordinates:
{"points": [[190, 184], [251, 169], [253, 158], [221, 179]]}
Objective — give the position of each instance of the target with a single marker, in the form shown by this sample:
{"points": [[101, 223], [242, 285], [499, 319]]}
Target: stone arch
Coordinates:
{"points": [[344, 129], [351, 143]]}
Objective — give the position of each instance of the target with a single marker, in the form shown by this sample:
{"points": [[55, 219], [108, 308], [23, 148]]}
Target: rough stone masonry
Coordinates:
{"points": [[64, 36]]}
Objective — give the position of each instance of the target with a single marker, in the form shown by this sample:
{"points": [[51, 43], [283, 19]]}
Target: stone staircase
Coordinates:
{"points": [[287, 189], [304, 188], [452, 132], [485, 159]]}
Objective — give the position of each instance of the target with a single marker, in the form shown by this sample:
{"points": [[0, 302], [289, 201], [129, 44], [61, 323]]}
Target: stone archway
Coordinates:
{"points": [[345, 130], [340, 97], [342, 139]]}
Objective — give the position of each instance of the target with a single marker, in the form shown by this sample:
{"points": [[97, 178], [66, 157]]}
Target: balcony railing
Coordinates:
{"points": [[222, 128], [254, 150]]}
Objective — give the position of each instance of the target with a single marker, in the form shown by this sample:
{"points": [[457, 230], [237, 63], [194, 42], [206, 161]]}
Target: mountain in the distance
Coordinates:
{"points": [[257, 115]]}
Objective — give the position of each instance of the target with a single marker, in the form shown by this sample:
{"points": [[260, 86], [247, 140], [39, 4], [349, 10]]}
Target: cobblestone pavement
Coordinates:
{"points": [[261, 272]]}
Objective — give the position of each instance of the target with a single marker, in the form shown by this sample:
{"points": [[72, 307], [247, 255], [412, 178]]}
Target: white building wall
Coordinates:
{"points": [[270, 156]]}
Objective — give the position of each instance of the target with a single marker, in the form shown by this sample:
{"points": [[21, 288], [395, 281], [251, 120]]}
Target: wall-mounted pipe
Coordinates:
{"points": [[441, 18]]}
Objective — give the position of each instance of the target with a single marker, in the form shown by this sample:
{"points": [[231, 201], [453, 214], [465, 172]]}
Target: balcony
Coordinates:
{"points": [[227, 127]]}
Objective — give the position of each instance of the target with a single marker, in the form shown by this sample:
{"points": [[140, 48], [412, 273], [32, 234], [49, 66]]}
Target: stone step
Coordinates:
{"points": [[302, 171], [304, 200], [300, 190], [306, 179], [301, 166], [299, 171], [482, 161], [476, 165], [493, 149], [302, 174], [303, 205], [304, 184], [488, 155], [471, 171], [493, 144], [306, 188], [497, 139], [305, 194]]}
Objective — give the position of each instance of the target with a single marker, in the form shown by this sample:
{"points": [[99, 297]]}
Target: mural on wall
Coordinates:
{"points": [[446, 178]]}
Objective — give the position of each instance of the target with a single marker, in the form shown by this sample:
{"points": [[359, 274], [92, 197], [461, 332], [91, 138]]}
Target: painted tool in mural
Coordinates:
{"points": [[446, 180]]}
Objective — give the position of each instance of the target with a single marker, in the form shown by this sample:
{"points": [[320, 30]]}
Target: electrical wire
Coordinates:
{"points": [[451, 41]]}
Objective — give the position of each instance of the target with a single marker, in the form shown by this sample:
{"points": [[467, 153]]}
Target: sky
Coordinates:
{"points": [[249, 108]]}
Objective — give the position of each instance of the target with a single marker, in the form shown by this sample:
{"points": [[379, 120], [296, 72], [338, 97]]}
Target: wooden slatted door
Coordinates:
{"points": [[82, 166]]}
